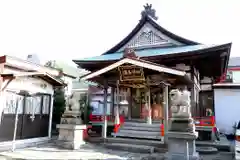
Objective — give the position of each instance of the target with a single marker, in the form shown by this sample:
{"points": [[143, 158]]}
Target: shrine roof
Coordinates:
{"points": [[152, 42], [150, 19], [153, 52]]}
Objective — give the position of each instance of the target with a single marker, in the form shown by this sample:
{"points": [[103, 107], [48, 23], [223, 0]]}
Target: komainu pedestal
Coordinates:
{"points": [[181, 132], [181, 146], [71, 129], [70, 136]]}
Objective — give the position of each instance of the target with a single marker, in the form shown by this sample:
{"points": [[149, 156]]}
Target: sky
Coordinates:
{"points": [[75, 29]]}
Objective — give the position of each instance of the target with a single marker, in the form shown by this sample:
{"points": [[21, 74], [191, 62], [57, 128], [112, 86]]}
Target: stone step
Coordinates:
{"points": [[129, 135], [153, 143], [134, 132], [150, 129], [136, 124], [130, 147]]}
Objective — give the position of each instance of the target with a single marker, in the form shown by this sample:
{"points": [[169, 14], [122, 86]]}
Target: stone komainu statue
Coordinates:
{"points": [[73, 113], [73, 103], [180, 103]]}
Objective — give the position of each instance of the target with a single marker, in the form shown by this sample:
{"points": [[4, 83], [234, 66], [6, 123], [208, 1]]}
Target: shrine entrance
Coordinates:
{"points": [[139, 101]]}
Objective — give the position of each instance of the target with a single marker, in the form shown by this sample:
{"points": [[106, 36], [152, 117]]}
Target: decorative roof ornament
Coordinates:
{"points": [[129, 53], [149, 11]]}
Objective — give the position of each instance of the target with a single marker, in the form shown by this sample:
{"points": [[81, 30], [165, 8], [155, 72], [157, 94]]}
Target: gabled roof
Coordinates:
{"points": [[29, 66], [26, 65], [43, 75], [147, 19], [137, 62]]}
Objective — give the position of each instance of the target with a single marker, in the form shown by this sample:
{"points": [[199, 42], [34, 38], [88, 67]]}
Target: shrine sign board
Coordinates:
{"points": [[131, 73]]}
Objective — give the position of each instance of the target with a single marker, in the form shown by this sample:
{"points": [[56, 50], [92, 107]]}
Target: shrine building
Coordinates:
{"points": [[141, 69]]}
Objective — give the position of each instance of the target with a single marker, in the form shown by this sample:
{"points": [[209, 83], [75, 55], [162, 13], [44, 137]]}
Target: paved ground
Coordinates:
{"points": [[90, 152]]}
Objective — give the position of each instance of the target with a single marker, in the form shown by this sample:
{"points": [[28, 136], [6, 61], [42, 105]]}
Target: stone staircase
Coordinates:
{"points": [[140, 137], [137, 137], [135, 145], [140, 131]]}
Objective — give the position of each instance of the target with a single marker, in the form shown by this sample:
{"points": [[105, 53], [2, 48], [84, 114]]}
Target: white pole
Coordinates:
{"points": [[50, 117], [104, 129], [117, 120], [15, 126], [165, 113]]}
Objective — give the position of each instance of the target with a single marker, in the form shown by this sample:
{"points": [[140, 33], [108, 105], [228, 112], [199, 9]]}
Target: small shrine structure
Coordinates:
{"points": [[149, 62]]}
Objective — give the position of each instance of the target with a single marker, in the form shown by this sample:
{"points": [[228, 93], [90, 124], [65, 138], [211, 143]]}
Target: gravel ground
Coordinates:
{"points": [[91, 152]]}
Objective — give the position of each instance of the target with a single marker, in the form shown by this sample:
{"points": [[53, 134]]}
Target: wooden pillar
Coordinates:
{"points": [[165, 103], [117, 119], [149, 117], [130, 104], [2, 98], [86, 108], [104, 128], [112, 100], [193, 102]]}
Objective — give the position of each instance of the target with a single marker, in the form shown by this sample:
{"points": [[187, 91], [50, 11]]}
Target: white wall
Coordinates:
{"points": [[66, 79], [28, 83], [31, 84], [227, 109], [236, 76]]}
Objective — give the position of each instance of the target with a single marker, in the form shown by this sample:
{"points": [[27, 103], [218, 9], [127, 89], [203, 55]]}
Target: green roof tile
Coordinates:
{"points": [[150, 52]]}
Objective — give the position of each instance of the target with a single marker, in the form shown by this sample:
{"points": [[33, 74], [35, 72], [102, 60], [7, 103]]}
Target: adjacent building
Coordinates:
{"points": [[226, 98], [27, 89]]}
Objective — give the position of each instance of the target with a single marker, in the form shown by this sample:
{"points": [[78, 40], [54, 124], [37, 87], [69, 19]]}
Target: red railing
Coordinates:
{"points": [[199, 121], [100, 118], [205, 121]]}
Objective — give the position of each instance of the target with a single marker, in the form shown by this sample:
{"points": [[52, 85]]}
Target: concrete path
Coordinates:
{"points": [[89, 152]]}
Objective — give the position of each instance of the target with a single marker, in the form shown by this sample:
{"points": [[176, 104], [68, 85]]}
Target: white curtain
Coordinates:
{"points": [[11, 103], [46, 104]]}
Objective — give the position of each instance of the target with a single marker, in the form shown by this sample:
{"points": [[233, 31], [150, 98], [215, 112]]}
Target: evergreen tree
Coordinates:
{"points": [[85, 108], [58, 104], [59, 97]]}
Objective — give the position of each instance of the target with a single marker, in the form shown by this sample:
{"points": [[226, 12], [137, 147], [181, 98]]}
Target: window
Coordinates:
{"points": [[33, 105], [46, 104], [12, 100]]}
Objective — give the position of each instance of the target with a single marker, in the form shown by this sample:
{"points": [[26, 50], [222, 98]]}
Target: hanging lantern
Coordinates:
{"points": [[154, 98], [138, 94], [124, 102]]}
